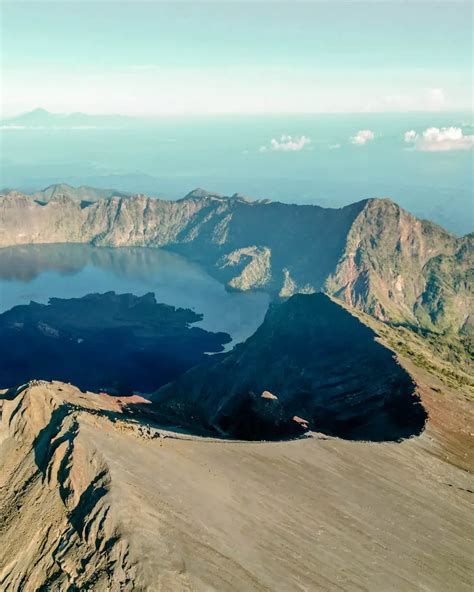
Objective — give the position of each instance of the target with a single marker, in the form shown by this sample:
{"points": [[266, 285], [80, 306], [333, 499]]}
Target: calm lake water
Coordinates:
{"points": [[39, 272]]}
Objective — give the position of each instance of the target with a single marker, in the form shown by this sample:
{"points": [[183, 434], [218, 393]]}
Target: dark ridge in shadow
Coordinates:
{"points": [[109, 342], [46, 443], [310, 366]]}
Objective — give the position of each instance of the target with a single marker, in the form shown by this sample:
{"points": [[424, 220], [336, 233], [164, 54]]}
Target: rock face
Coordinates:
{"points": [[254, 265], [57, 529], [372, 254], [391, 265], [322, 365]]}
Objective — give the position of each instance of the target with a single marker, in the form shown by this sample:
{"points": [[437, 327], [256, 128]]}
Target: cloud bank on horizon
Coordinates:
{"points": [[435, 139]]}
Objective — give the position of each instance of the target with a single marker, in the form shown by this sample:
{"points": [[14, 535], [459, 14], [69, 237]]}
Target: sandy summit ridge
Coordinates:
{"points": [[94, 499]]}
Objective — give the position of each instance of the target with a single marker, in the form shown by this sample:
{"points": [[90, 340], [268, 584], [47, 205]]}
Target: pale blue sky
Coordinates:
{"points": [[153, 57]]}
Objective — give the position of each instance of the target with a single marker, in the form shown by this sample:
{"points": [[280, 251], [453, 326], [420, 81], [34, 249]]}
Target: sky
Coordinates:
{"points": [[152, 58]]}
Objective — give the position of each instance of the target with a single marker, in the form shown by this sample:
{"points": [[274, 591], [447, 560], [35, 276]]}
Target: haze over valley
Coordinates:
{"points": [[431, 179]]}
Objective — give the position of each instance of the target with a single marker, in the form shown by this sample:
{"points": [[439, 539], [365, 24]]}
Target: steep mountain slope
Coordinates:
{"points": [[387, 266], [93, 498], [310, 360], [447, 302], [57, 528], [372, 254]]}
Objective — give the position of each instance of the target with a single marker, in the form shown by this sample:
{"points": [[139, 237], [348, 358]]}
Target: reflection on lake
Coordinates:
{"points": [[39, 272]]}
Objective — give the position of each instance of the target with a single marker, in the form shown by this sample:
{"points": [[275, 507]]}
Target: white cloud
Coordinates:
{"points": [[410, 136], [362, 137], [334, 146], [436, 134], [435, 139], [286, 143]]}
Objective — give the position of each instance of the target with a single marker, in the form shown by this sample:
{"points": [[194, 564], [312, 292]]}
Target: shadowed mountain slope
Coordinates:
{"points": [[311, 364]]}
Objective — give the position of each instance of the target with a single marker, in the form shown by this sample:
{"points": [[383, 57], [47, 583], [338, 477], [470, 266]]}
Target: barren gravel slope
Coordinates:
{"points": [[177, 513]]}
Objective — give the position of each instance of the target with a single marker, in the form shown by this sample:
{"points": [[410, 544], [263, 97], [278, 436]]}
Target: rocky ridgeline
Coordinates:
{"points": [[372, 254], [58, 529]]}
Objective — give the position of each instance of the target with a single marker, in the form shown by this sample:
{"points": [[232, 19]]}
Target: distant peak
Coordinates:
{"points": [[58, 187], [39, 111], [382, 200], [202, 193]]}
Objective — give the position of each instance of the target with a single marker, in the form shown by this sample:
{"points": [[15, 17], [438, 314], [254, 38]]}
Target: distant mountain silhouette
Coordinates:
{"points": [[43, 118]]}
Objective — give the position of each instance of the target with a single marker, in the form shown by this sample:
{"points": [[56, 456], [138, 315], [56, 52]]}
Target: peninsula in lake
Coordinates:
{"points": [[107, 342]]}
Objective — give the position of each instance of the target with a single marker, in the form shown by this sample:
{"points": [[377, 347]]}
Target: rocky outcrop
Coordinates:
{"points": [[385, 265], [322, 365], [249, 268]]}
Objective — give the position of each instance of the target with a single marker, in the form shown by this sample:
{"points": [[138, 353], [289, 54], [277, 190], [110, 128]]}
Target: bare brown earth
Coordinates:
{"points": [[92, 498]]}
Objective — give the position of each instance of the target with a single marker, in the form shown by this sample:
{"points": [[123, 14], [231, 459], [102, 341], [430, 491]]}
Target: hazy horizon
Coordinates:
{"points": [[258, 57], [314, 102], [92, 113]]}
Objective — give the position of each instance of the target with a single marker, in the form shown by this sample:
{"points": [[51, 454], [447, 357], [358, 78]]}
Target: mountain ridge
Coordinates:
{"points": [[128, 504], [371, 254], [311, 365]]}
